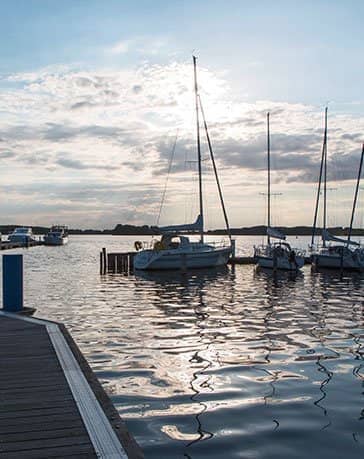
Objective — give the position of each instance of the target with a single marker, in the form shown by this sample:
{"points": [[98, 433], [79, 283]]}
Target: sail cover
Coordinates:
{"points": [[275, 233], [197, 226], [327, 236]]}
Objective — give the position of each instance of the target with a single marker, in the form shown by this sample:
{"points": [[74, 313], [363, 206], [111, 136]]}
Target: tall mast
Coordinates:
{"points": [[198, 148], [356, 195], [320, 180], [215, 170], [325, 175], [268, 194]]}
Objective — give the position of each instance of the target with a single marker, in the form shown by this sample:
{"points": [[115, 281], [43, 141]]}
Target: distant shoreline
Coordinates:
{"points": [[145, 230]]}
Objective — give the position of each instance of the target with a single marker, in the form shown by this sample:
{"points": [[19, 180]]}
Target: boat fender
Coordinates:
{"points": [[138, 245], [158, 246]]}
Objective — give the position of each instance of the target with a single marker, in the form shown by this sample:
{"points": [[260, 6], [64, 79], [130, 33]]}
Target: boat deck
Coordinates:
{"points": [[51, 404]]}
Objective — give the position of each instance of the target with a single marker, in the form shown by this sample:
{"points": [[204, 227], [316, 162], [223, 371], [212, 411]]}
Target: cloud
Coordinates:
{"points": [[120, 47], [64, 124], [7, 154], [77, 164]]}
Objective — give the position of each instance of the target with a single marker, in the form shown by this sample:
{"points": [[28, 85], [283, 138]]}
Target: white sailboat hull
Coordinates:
{"points": [[176, 259], [350, 262], [281, 263]]}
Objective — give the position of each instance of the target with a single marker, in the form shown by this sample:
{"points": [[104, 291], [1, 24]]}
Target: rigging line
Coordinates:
{"points": [[168, 173], [356, 195], [320, 180], [215, 170]]}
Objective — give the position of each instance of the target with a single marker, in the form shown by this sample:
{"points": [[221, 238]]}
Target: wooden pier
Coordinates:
{"points": [[52, 405], [116, 262], [4, 245]]}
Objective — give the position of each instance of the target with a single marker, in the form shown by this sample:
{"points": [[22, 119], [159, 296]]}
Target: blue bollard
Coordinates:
{"points": [[13, 283]]}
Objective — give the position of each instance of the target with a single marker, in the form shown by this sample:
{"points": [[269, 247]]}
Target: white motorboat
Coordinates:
{"points": [[335, 252], [175, 250], [58, 235], [22, 235], [276, 255]]}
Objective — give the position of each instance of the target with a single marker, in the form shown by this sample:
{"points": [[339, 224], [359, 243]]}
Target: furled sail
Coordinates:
{"points": [[197, 226], [326, 236], [275, 233]]}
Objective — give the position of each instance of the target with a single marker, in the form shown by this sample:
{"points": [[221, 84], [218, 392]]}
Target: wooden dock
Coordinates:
{"points": [[52, 405], [4, 245], [116, 262]]}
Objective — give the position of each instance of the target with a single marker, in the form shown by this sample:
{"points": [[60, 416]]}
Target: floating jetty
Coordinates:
{"points": [[52, 404]]}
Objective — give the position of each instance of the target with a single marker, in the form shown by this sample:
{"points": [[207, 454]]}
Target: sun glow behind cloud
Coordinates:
{"points": [[92, 147]]}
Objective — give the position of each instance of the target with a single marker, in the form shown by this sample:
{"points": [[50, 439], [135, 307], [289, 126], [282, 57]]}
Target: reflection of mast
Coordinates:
{"points": [[326, 381], [197, 358], [319, 332]]}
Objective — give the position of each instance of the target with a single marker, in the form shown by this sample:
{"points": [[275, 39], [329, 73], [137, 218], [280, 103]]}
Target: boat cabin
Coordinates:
{"points": [[172, 241]]}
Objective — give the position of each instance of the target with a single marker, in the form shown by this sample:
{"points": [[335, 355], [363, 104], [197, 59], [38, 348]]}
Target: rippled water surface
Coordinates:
{"points": [[227, 363]]}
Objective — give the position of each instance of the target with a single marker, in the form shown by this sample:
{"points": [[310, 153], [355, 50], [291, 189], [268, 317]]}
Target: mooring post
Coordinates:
{"points": [[275, 260], [104, 260], [233, 247], [13, 283]]}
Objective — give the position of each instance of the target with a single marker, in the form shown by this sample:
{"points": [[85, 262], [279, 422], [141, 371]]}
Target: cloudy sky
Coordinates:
{"points": [[93, 95]]}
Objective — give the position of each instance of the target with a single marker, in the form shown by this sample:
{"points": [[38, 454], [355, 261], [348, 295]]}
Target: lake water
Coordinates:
{"points": [[227, 363]]}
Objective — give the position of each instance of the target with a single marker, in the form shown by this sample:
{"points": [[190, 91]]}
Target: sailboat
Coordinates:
{"points": [[335, 252], [277, 254], [175, 250]]}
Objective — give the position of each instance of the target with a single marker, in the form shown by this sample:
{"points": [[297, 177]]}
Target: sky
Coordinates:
{"points": [[93, 95]]}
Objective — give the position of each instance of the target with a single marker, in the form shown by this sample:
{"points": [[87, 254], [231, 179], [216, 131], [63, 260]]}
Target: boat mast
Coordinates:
{"points": [[268, 194], [319, 183], [215, 170], [198, 148], [356, 195], [325, 174]]}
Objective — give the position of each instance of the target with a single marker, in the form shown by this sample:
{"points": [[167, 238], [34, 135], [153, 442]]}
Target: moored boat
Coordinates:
{"points": [[175, 250], [58, 235], [21, 235], [276, 255], [335, 252]]}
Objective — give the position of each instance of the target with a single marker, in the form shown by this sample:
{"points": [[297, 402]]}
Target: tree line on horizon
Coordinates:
{"points": [[145, 230]]}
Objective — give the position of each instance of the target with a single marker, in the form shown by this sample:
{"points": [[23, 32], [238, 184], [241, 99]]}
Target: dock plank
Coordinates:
{"points": [[39, 415], [35, 395]]}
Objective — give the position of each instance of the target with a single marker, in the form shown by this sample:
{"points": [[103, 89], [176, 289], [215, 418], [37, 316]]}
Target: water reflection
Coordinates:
{"points": [[226, 363], [193, 284]]}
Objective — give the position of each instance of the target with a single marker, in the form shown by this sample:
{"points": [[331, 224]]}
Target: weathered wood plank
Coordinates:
{"points": [[56, 452], [41, 427], [44, 443], [12, 437], [48, 414]]}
